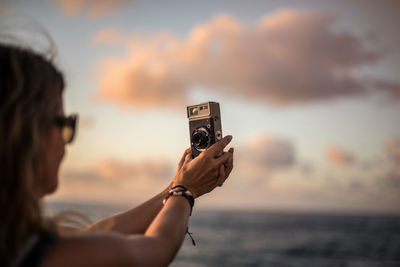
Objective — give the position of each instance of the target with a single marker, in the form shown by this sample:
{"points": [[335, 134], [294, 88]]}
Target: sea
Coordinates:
{"points": [[273, 238]]}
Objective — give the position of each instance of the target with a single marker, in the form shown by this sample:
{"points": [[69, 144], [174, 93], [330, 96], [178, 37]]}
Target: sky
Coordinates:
{"points": [[310, 91]]}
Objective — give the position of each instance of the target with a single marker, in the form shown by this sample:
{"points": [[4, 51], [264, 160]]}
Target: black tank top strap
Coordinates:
{"points": [[39, 250]]}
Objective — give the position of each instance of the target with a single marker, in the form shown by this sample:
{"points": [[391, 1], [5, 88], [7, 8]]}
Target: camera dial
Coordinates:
{"points": [[201, 139]]}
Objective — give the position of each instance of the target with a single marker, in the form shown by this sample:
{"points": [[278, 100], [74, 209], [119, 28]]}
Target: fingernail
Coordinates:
{"points": [[229, 138]]}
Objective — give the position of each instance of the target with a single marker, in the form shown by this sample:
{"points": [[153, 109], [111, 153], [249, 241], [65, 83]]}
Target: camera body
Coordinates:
{"points": [[204, 126]]}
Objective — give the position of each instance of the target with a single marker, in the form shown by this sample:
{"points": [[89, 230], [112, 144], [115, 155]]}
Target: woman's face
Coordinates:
{"points": [[54, 153]]}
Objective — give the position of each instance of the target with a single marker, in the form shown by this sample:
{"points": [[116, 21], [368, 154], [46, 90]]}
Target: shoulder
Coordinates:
{"points": [[94, 249], [106, 249], [36, 249]]}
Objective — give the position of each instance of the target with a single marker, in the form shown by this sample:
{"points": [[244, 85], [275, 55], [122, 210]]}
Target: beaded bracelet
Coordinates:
{"points": [[180, 190]]}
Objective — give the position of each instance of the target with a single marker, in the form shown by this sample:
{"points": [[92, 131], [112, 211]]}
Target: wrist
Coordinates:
{"points": [[165, 191], [179, 182], [183, 185], [182, 192], [178, 199]]}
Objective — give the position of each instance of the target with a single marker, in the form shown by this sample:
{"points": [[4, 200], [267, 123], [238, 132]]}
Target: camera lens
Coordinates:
{"points": [[201, 139]]}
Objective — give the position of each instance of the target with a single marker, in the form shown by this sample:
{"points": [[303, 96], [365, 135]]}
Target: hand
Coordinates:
{"points": [[208, 170]]}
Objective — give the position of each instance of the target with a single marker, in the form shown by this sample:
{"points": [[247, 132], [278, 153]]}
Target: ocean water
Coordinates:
{"points": [[261, 238]]}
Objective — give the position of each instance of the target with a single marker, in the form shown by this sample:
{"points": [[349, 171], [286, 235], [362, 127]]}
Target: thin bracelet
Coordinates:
{"points": [[180, 186]]}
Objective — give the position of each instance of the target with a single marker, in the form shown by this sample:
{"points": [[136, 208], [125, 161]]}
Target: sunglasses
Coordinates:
{"points": [[68, 127]]}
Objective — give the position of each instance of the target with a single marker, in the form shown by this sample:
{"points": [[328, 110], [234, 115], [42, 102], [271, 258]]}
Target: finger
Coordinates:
{"points": [[222, 159], [218, 147], [229, 164], [221, 177], [229, 167], [180, 164]]}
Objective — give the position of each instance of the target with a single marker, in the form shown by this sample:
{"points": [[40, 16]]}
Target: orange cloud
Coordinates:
{"points": [[393, 150], [261, 158], [92, 8], [151, 169], [391, 179], [110, 36], [115, 180], [339, 156], [266, 165], [271, 152], [86, 122], [286, 57]]}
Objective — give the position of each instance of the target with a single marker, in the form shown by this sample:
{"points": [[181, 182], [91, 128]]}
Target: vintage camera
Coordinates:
{"points": [[204, 126]]}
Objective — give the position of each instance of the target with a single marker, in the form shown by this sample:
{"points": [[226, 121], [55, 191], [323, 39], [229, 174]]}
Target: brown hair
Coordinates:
{"points": [[30, 85]]}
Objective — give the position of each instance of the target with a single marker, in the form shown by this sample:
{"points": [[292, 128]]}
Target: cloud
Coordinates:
{"points": [[86, 122], [392, 89], [287, 57], [110, 36], [261, 157], [92, 8], [116, 181], [393, 150], [339, 156], [126, 181], [148, 169], [391, 179], [265, 165], [270, 152]]}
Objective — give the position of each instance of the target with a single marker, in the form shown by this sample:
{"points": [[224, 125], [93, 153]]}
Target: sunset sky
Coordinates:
{"points": [[310, 91]]}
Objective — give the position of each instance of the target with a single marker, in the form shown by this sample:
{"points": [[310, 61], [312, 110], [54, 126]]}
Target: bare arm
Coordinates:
{"points": [[132, 221], [157, 247], [137, 219], [164, 236]]}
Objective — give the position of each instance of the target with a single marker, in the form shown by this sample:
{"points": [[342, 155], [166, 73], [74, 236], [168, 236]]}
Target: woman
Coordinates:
{"points": [[33, 133]]}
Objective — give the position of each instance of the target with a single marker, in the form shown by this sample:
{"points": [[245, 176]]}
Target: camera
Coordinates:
{"points": [[204, 126]]}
